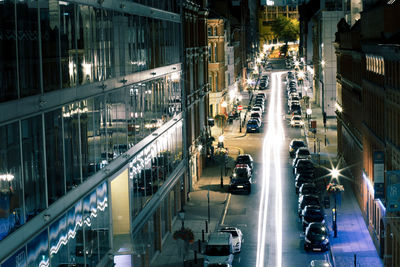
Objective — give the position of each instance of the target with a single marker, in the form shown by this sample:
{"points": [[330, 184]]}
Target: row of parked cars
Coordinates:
{"points": [[256, 112], [310, 212], [228, 240]]}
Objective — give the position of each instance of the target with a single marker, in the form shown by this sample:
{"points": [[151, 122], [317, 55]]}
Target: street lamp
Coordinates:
{"points": [[335, 188], [221, 141], [309, 112], [182, 217]]}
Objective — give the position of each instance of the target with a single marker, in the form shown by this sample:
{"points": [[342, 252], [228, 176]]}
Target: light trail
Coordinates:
{"points": [[271, 160]]}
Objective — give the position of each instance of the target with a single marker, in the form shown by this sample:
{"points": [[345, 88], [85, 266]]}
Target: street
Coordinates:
{"points": [[268, 216]]}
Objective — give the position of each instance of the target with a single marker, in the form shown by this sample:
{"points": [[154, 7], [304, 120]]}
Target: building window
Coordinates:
{"points": [[209, 53], [216, 82], [210, 81], [209, 31], [215, 31], [215, 52]]}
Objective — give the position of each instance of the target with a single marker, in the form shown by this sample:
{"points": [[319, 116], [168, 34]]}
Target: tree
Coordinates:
{"points": [[286, 29]]}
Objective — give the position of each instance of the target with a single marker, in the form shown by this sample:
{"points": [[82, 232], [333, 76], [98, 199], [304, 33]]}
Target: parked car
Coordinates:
{"points": [[310, 215], [296, 121], [219, 249], [303, 166], [305, 200], [237, 237], [255, 115], [261, 106], [295, 109], [263, 95], [316, 237], [303, 153], [257, 109], [308, 189], [241, 179], [253, 125], [294, 145], [302, 179], [245, 159]]}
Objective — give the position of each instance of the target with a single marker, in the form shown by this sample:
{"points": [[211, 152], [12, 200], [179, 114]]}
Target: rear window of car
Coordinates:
{"points": [[298, 143], [304, 152]]}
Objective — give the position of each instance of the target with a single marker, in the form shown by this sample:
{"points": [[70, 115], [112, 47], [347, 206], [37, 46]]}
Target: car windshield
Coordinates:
{"points": [[314, 215], [252, 122], [295, 118], [303, 152], [242, 159], [217, 250], [317, 231], [298, 144], [232, 232]]}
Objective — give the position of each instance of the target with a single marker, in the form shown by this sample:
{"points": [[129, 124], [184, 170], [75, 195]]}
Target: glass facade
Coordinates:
{"points": [[51, 46], [63, 44]]}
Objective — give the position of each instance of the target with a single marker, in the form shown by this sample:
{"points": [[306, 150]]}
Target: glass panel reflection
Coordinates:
{"points": [[33, 159], [38, 254], [11, 209], [8, 58]]}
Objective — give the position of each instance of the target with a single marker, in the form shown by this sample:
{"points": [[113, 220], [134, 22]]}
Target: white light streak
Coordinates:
{"points": [[272, 160]]}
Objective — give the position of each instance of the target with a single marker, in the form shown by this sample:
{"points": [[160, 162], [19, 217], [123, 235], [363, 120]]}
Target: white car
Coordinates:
{"points": [[296, 121], [257, 109], [237, 237]]}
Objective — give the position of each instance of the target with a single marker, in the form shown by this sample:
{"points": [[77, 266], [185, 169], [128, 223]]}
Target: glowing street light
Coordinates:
{"points": [[323, 63], [335, 188], [224, 104]]}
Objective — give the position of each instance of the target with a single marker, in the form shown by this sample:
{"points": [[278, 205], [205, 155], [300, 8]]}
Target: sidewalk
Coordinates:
{"points": [[198, 209], [353, 239]]}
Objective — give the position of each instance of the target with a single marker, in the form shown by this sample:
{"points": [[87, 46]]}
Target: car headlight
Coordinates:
{"points": [[291, 149], [292, 122], [326, 241], [301, 123]]}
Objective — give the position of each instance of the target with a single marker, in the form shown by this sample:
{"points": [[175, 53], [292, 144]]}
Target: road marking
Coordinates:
{"points": [[226, 209]]}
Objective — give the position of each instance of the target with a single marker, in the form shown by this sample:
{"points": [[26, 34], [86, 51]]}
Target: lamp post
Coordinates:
{"points": [[222, 157], [335, 188], [182, 217], [309, 112]]}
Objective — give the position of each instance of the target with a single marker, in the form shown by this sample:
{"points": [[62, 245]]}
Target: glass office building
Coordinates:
{"points": [[91, 130]]}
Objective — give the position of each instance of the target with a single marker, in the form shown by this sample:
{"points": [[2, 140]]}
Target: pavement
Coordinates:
{"points": [[353, 245]]}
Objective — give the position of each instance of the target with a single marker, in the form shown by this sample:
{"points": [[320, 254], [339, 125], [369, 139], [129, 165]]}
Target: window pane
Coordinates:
{"points": [[71, 140], [28, 47], [11, 213], [18, 259], [54, 155], [50, 30], [8, 60], [38, 250], [68, 47], [32, 155]]}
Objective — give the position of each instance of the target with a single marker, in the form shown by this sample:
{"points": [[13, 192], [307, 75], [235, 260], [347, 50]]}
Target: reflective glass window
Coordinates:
{"points": [[108, 43], [69, 59], [133, 112], [117, 124], [90, 229], [18, 259], [50, 37], [11, 209], [28, 47], [38, 250], [121, 43], [75, 234], [71, 142], [58, 235], [54, 155], [103, 219], [33, 162], [8, 57]]}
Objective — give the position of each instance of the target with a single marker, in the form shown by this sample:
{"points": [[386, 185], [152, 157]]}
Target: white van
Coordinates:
{"points": [[219, 249]]}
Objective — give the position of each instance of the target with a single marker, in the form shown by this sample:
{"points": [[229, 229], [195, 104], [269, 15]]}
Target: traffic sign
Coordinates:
{"points": [[240, 107]]}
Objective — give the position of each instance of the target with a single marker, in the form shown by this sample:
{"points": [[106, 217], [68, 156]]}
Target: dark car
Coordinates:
{"points": [[304, 166], [253, 126], [316, 237], [245, 159], [305, 200], [302, 179], [241, 179], [295, 108], [310, 215], [294, 145], [308, 189]]}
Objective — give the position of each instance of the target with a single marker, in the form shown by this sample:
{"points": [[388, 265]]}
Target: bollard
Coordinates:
{"points": [[195, 256], [355, 260], [202, 235], [206, 227]]}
